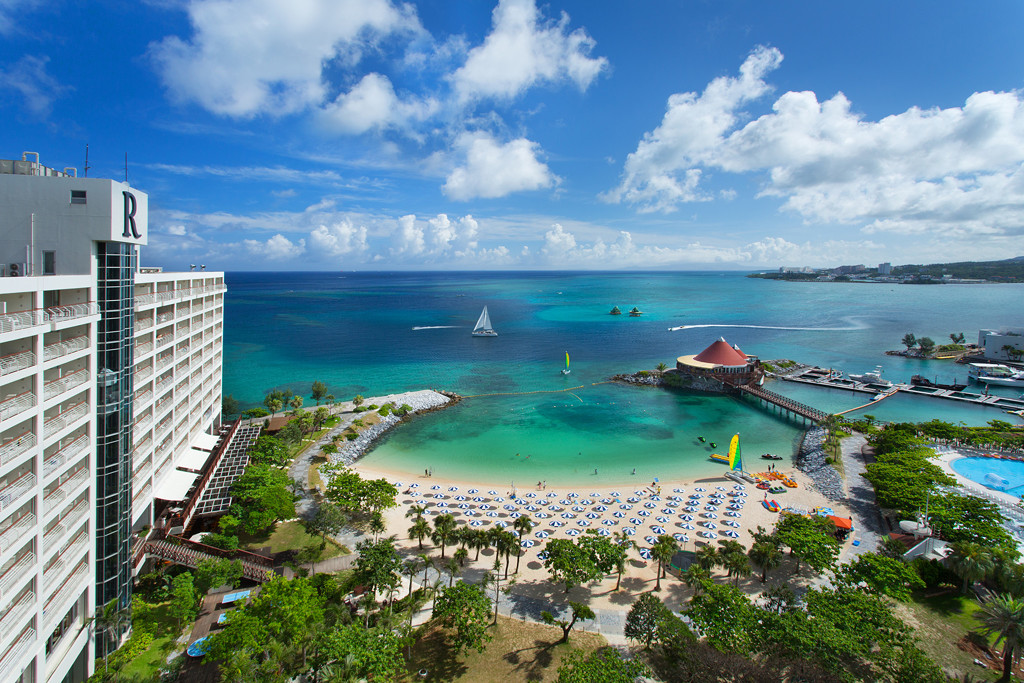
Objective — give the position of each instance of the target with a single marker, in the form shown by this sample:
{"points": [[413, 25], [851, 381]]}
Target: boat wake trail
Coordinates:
{"points": [[853, 326], [435, 327]]}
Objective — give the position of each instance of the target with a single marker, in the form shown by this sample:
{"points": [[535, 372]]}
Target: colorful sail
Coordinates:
{"points": [[566, 360], [735, 459]]}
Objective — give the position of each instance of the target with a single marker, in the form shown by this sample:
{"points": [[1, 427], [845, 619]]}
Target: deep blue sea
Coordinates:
{"points": [[355, 331]]}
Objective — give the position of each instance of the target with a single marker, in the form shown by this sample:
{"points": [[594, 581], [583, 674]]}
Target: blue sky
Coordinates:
{"points": [[450, 134]]}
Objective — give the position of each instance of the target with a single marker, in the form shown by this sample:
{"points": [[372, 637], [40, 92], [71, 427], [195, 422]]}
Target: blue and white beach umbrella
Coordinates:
{"points": [[556, 523], [629, 531], [471, 491], [682, 538], [476, 522], [686, 518], [463, 506], [502, 523], [542, 534], [582, 522], [663, 520], [658, 530], [643, 513], [528, 543], [636, 520], [618, 515], [573, 532], [568, 515], [688, 527], [609, 522], [578, 508], [645, 553], [492, 514], [542, 515], [453, 488], [592, 515], [625, 506]]}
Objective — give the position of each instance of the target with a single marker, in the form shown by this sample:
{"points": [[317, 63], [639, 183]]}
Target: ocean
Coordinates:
{"points": [[357, 332]]}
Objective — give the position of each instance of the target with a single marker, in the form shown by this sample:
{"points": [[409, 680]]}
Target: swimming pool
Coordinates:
{"points": [[993, 473]]}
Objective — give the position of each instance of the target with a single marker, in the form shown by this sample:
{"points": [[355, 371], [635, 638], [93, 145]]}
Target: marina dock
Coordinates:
{"points": [[827, 378]]}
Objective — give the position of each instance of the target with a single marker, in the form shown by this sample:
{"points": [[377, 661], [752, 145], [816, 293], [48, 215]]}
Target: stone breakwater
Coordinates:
{"points": [[419, 402], [811, 460], [672, 379]]}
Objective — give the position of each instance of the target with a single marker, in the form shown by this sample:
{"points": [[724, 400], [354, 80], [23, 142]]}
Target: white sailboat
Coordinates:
{"points": [[483, 326]]}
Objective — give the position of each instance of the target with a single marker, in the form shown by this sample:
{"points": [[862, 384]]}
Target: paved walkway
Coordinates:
{"points": [[868, 526]]}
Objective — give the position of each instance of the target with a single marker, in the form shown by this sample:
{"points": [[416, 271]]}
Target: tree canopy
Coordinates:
{"points": [[263, 497], [465, 609], [351, 492]]}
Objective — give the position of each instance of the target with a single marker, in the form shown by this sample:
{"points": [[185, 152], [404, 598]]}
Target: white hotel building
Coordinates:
{"points": [[110, 378]]}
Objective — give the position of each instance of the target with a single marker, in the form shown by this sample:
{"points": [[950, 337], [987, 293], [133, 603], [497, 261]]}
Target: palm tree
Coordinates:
{"points": [[275, 404], [661, 367], [971, 562], [461, 554], [523, 524], [505, 542], [112, 622], [444, 527], [409, 568], [452, 565], [1004, 615], [478, 540], [295, 403], [708, 557], [696, 577], [419, 530], [428, 562], [738, 565], [620, 539], [663, 550], [416, 511], [765, 555]]}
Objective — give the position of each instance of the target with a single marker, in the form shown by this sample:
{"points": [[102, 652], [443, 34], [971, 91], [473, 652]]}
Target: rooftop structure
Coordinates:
{"points": [[722, 362]]}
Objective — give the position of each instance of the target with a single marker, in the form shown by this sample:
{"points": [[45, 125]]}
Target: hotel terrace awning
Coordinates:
{"points": [[192, 459], [205, 442], [175, 486]]}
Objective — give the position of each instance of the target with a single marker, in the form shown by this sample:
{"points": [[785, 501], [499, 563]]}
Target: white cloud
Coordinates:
{"points": [[494, 170], [956, 172], [660, 174], [408, 238], [249, 57], [178, 230], [523, 50], [438, 239], [373, 105], [28, 78], [276, 248], [10, 7], [338, 239]]}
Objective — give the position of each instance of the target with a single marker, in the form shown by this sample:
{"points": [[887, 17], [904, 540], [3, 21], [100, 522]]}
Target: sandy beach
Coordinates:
{"points": [[696, 511]]}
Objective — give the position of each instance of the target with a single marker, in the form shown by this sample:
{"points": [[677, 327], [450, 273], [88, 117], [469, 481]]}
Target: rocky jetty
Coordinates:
{"points": [[811, 460]]}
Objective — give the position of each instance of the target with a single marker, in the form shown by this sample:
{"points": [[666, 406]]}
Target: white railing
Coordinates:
{"points": [[165, 360], [65, 454], [58, 386], [164, 340], [62, 420], [16, 361], [70, 520], [171, 295], [19, 321], [143, 443], [141, 399], [56, 314], [145, 373], [69, 589], [165, 317], [12, 572], [143, 422], [16, 447], [143, 323], [11, 494], [16, 652], [17, 404], [16, 613], [16, 531], [60, 492], [143, 348], [144, 491], [71, 550], [65, 347], [143, 472]]}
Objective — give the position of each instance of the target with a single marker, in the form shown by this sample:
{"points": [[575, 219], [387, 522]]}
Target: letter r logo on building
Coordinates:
{"points": [[130, 229]]}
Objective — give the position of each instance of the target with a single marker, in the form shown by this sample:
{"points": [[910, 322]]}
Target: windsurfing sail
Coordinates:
{"points": [[566, 360], [735, 459], [483, 325]]}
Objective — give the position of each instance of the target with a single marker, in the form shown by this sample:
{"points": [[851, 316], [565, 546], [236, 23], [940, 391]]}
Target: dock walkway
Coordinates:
{"points": [[788, 404]]}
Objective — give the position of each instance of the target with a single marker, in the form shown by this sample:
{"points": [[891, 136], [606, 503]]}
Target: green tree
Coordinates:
{"points": [[708, 557], [964, 518], [927, 345], [971, 562], [738, 565], [466, 609], [360, 653], [697, 577], [444, 529], [229, 406], [663, 550], [523, 524], [577, 611], [410, 568], [296, 404], [274, 401], [318, 391], [602, 666], [644, 617], [957, 338], [881, 574], [215, 572], [419, 530], [262, 498], [184, 601], [358, 400], [377, 525], [809, 539], [725, 616], [269, 450], [328, 520], [909, 340], [1003, 616], [570, 563], [110, 623], [378, 564], [766, 555], [505, 543], [351, 492]]}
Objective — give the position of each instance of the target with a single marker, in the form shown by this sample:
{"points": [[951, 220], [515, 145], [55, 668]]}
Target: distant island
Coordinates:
{"points": [[964, 272]]}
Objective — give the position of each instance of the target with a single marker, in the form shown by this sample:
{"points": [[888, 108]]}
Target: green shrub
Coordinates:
{"points": [[372, 406], [351, 436], [644, 373], [385, 410], [360, 409]]}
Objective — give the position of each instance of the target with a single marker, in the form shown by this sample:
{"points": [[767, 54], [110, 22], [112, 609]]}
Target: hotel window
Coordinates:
{"points": [[78, 196], [49, 263]]}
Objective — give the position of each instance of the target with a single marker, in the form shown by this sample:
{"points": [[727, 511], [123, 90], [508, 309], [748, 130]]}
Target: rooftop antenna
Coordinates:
{"points": [[87, 160]]}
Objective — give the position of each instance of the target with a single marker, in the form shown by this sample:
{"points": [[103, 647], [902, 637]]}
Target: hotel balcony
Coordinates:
{"points": [[68, 382], [15, 448], [164, 339], [16, 361], [55, 497], [164, 359], [17, 651], [16, 405], [65, 347], [58, 422], [22, 320], [17, 492], [59, 602], [143, 472], [165, 317], [144, 373], [141, 399], [16, 614], [70, 520], [66, 454], [142, 324], [14, 572], [143, 349], [54, 571], [162, 428], [142, 424], [14, 535]]}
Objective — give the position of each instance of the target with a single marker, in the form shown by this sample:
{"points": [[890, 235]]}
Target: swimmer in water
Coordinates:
{"points": [[634, 470]]}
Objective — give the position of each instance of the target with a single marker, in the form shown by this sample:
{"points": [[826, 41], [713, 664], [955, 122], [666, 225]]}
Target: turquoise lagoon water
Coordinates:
{"points": [[354, 331], [996, 474]]}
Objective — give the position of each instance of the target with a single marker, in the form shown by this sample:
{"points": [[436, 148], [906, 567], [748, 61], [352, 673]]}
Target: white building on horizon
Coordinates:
{"points": [[110, 374], [1005, 344]]}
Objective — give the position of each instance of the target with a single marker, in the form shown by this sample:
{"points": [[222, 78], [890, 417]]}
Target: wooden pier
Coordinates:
{"points": [[788, 405]]}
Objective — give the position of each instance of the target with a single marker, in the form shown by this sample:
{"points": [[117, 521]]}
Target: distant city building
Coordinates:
{"points": [[796, 269], [994, 344], [849, 270], [885, 269], [110, 376]]}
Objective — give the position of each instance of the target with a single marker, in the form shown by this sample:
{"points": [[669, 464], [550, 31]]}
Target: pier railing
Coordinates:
{"points": [[781, 401]]}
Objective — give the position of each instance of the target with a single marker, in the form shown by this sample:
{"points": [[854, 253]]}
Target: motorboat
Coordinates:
{"points": [[769, 456], [995, 373], [920, 381], [872, 377]]}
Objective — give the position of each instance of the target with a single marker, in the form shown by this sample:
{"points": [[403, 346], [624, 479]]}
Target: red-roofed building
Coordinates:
{"points": [[724, 363]]}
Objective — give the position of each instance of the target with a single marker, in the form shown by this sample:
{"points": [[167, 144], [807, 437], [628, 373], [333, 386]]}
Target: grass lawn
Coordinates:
{"points": [[288, 536], [520, 651], [942, 620], [165, 629]]}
